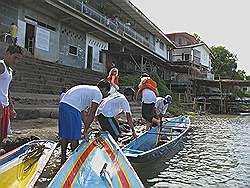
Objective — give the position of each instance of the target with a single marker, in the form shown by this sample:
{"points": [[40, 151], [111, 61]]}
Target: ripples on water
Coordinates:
{"points": [[215, 154]]}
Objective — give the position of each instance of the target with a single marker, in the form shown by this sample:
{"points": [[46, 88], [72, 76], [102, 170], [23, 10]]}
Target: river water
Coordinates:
{"points": [[216, 153]]}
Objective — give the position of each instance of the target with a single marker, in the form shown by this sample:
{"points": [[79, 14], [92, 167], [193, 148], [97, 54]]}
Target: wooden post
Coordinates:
{"points": [[142, 64], [221, 102], [194, 104], [205, 104]]}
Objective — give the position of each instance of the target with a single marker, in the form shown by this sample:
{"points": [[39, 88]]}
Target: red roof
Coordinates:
{"points": [[191, 38]]}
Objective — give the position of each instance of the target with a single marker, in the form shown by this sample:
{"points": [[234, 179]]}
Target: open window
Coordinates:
{"points": [[73, 50]]}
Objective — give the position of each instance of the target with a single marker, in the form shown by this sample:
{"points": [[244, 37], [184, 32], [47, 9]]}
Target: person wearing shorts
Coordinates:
{"points": [[110, 107], [75, 102]]}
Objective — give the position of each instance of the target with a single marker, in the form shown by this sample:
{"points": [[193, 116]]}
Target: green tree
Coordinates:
{"points": [[240, 75], [225, 62], [248, 77]]}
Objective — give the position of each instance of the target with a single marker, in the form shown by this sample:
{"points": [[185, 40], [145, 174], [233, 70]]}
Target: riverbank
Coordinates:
{"points": [[214, 141]]}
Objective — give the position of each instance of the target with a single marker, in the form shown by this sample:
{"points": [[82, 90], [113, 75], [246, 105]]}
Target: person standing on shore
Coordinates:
{"points": [[148, 90], [13, 33], [113, 79], [11, 57], [72, 108], [110, 107]]}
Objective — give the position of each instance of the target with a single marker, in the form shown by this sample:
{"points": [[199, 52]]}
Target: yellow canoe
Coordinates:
{"points": [[22, 166]]}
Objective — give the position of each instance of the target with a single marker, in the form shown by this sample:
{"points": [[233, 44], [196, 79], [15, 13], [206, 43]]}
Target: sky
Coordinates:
{"points": [[217, 22]]}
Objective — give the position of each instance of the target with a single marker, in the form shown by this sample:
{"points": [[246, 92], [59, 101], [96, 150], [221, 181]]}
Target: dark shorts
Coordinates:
{"points": [[148, 111], [109, 124], [70, 122]]}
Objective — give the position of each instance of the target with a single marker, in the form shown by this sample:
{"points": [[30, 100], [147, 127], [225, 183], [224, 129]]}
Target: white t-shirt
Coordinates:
{"points": [[81, 96], [5, 80], [113, 105], [160, 108], [148, 96]]}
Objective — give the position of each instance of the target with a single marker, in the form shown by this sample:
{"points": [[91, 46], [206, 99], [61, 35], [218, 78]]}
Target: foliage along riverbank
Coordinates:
{"points": [[133, 80]]}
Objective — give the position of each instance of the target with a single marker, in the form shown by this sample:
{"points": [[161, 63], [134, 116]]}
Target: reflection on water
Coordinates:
{"points": [[215, 154]]}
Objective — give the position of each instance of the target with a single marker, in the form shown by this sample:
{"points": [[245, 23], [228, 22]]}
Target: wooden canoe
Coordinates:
{"points": [[97, 163], [158, 141], [22, 166]]}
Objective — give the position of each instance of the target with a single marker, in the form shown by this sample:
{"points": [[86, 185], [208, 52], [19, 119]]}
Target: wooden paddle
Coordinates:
{"points": [[106, 175]]}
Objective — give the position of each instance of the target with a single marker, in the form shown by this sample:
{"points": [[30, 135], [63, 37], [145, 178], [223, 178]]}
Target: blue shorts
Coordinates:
{"points": [[70, 122]]}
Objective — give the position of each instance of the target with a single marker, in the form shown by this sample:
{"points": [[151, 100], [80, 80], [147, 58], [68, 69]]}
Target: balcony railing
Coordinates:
{"points": [[115, 26]]}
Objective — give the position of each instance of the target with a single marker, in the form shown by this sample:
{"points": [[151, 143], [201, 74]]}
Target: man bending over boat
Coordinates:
{"points": [[148, 90], [110, 107], [71, 109], [161, 106]]}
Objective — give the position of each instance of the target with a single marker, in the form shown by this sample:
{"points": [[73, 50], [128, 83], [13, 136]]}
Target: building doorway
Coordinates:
{"points": [[89, 57], [30, 38]]}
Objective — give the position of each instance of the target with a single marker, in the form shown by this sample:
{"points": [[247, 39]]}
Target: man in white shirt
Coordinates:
{"points": [[161, 106], [110, 107], [12, 55], [71, 108]]}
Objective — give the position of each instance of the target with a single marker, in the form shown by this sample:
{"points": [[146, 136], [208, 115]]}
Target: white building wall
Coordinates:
{"points": [[161, 51], [204, 56], [98, 45]]}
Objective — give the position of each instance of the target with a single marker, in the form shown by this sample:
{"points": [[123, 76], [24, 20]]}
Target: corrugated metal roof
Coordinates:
{"points": [[139, 17]]}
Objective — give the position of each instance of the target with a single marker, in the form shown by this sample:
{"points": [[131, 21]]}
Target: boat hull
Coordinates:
{"points": [[136, 151], [22, 166], [97, 163]]}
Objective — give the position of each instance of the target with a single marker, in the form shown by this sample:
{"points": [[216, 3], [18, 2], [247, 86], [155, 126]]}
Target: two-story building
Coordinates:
{"points": [[191, 58], [88, 34]]}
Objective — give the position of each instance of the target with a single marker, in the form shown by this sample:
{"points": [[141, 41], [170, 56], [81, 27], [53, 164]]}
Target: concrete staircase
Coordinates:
{"points": [[42, 77], [36, 86], [31, 106]]}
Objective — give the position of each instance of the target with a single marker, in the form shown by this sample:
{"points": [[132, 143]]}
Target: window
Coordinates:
{"points": [[102, 57], [35, 21], [186, 57], [73, 50], [179, 41], [162, 45]]}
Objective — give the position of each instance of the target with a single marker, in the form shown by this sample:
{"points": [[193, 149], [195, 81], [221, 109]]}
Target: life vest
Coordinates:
{"points": [[148, 83], [116, 81]]}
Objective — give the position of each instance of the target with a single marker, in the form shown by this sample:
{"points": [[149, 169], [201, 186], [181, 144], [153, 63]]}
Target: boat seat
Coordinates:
{"points": [[173, 127], [134, 150]]}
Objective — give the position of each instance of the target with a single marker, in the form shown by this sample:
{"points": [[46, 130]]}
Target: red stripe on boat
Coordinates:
{"points": [[120, 172], [78, 165]]}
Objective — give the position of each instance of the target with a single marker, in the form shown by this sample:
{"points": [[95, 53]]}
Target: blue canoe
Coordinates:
{"points": [[22, 166], [158, 141], [97, 163]]}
